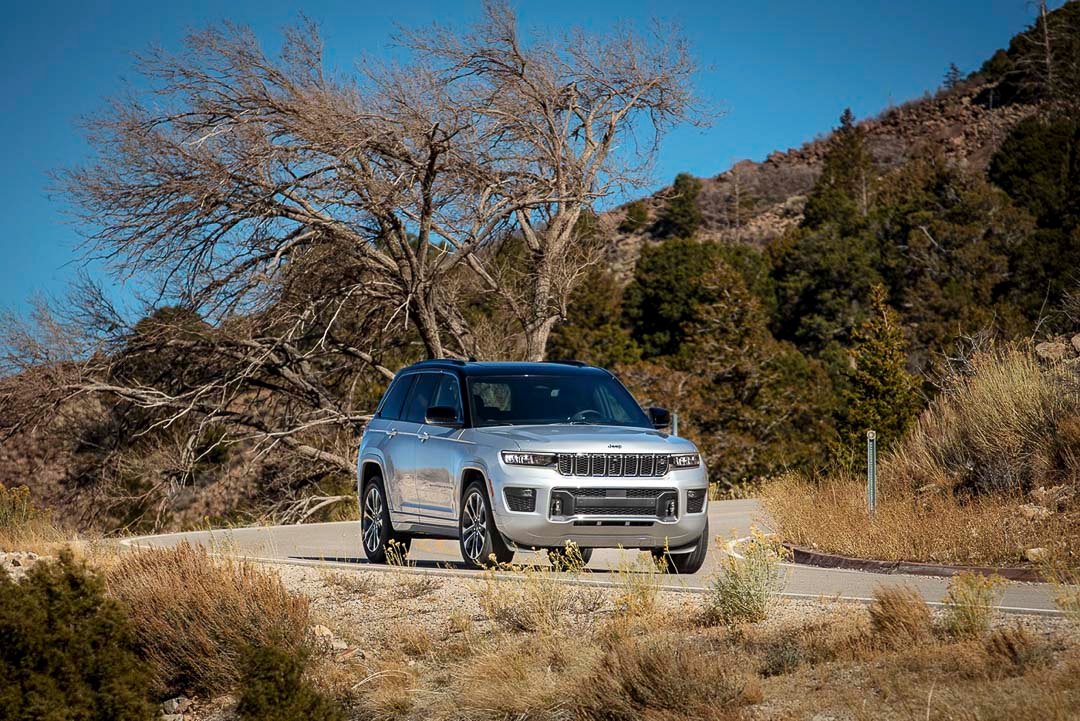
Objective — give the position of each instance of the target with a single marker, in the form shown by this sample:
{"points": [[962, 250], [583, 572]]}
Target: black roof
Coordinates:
{"points": [[506, 368]]}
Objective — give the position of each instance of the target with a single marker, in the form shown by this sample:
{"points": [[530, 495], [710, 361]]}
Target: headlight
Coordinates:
{"points": [[515, 458], [686, 460]]}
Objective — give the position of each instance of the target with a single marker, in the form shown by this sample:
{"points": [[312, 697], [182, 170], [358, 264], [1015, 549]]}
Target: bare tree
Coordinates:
{"points": [[315, 229]]}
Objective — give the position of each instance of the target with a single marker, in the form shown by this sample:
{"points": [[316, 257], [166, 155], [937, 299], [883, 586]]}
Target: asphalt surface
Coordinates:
{"points": [[338, 544]]}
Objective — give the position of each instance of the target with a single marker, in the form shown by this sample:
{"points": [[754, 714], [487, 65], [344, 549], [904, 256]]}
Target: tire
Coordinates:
{"points": [[685, 563], [558, 557], [377, 534], [481, 544]]}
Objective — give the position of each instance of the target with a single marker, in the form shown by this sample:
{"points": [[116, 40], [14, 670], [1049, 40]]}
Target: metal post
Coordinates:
{"points": [[871, 471], [675, 423]]}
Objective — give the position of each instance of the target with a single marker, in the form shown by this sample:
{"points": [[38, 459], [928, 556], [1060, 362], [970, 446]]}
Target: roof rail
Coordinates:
{"points": [[567, 362], [428, 361]]}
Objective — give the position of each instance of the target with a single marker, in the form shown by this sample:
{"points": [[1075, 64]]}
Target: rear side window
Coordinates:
{"points": [[395, 398], [423, 391]]}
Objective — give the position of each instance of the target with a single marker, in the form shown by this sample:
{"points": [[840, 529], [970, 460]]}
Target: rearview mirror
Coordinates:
{"points": [[660, 417], [442, 416]]}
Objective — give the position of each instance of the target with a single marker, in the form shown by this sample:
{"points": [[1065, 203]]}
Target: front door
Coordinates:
{"points": [[437, 448], [412, 423]]}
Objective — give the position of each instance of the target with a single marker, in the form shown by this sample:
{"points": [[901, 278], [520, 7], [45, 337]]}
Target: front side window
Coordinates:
{"points": [[548, 399], [448, 393]]}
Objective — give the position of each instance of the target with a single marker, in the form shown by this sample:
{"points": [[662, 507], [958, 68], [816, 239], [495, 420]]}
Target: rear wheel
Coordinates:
{"points": [[481, 544], [376, 532], [685, 563]]}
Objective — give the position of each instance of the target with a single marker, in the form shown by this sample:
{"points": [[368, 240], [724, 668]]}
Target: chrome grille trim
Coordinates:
{"points": [[622, 465]]}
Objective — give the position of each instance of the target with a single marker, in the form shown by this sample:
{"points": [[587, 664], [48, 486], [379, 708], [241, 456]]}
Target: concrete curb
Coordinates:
{"points": [[811, 557]]}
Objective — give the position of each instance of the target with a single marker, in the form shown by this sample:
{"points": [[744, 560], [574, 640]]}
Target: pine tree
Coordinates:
{"points": [[681, 217], [953, 76], [842, 193], [637, 216], [881, 395]]}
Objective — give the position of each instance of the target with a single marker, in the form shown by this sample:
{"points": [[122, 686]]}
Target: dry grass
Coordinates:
{"points": [[1003, 430], [353, 584], [639, 582], [194, 615], [930, 526], [24, 526], [899, 616], [535, 598], [969, 604]]}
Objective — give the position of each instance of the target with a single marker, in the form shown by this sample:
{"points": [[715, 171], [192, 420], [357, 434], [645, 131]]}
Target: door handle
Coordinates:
{"points": [[423, 436], [391, 433]]}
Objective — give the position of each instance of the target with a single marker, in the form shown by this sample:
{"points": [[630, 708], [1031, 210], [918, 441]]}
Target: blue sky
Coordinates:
{"points": [[782, 70]]}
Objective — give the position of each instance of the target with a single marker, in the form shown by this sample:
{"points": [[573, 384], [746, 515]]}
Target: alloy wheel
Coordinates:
{"points": [[474, 529], [372, 521]]}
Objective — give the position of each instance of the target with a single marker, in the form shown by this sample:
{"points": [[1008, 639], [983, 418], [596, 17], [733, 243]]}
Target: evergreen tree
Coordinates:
{"points": [[593, 330], [953, 77], [637, 217], [669, 284], [681, 217], [842, 194], [881, 395]]}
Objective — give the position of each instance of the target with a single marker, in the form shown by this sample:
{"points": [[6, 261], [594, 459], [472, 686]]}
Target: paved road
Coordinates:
{"points": [[339, 544]]}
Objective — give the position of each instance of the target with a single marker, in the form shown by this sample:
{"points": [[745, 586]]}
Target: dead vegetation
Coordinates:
{"points": [[194, 615], [611, 663], [989, 472]]}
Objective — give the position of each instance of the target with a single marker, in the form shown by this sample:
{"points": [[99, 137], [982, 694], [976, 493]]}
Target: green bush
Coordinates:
{"points": [[66, 649], [743, 589], [969, 604], [273, 688]]}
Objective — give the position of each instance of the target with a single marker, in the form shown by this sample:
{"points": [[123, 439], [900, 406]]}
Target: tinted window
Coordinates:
{"points": [[448, 393], [423, 391], [395, 398], [547, 399]]}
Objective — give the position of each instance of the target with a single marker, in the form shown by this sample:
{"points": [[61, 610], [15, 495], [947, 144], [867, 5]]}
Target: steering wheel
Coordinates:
{"points": [[583, 415]]}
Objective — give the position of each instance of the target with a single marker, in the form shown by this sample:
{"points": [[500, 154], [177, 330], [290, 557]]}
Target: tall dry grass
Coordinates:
{"points": [[951, 491], [23, 525], [195, 616], [1005, 425]]}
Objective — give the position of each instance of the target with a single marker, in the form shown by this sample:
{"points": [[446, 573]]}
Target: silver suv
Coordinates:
{"points": [[506, 456]]}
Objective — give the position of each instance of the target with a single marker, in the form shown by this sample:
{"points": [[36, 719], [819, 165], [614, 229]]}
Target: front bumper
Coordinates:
{"points": [[599, 512]]}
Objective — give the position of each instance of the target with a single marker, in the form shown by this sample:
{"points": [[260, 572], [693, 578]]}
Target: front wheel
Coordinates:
{"points": [[481, 543], [376, 532], [684, 563]]}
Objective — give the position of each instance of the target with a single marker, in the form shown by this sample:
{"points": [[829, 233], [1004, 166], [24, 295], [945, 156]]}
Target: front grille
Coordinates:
{"points": [[636, 465], [616, 511], [651, 502]]}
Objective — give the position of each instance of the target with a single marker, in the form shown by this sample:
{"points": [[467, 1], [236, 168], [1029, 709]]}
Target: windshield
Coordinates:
{"points": [[546, 399]]}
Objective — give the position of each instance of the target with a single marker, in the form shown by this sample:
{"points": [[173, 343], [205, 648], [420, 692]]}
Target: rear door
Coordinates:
{"points": [[412, 420], [396, 448], [437, 450]]}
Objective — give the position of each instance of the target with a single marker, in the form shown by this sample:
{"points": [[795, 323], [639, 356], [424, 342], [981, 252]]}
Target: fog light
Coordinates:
{"points": [[556, 507]]}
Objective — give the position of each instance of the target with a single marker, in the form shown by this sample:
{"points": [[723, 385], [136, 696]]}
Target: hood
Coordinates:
{"points": [[590, 439]]}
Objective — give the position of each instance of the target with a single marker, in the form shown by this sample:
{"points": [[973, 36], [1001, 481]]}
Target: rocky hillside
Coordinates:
{"points": [[754, 202]]}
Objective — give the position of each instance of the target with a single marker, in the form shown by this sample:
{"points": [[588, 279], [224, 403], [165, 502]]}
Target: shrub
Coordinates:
{"points": [[661, 676], [23, 525], [969, 604], [67, 649], [899, 615], [744, 586], [273, 688], [537, 599], [637, 217], [1013, 650], [195, 615]]}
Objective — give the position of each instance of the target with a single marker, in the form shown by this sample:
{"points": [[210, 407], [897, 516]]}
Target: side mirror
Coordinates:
{"points": [[442, 416], [660, 417]]}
